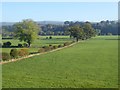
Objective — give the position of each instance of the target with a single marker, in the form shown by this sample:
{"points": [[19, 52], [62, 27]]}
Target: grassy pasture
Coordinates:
{"points": [[42, 41], [89, 64]]}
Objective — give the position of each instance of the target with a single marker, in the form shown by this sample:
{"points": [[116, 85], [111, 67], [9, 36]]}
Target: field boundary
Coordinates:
{"points": [[32, 55]]}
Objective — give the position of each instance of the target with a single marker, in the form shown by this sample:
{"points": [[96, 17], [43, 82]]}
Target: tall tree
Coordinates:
{"points": [[76, 31], [27, 31], [89, 30]]}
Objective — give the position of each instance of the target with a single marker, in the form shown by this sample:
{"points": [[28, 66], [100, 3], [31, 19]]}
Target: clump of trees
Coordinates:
{"points": [[101, 28], [76, 32], [89, 31], [107, 27], [82, 32]]}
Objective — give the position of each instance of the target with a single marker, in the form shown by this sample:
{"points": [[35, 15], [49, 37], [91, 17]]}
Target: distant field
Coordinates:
{"points": [[42, 41], [89, 64]]}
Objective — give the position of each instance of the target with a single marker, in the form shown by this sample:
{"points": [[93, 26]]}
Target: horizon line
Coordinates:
{"points": [[62, 20]]}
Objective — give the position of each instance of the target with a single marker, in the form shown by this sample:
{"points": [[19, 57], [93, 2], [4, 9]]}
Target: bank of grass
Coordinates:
{"points": [[89, 64]]}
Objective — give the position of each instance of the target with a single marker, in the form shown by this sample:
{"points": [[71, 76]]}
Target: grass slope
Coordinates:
{"points": [[89, 64]]}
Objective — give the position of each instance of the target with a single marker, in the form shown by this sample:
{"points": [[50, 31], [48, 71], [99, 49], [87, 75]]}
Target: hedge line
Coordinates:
{"points": [[51, 47], [14, 53]]}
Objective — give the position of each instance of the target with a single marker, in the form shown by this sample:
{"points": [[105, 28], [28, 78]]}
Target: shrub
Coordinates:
{"points": [[55, 47], [7, 44], [50, 37], [73, 42], [41, 50], [59, 46], [83, 38], [46, 48], [14, 53], [23, 52], [5, 56], [46, 37], [66, 43], [51, 47], [19, 45]]}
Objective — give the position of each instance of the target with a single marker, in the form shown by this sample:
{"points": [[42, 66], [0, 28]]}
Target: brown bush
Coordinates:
{"points": [[73, 42], [67, 43], [46, 48], [23, 52], [41, 50], [51, 47], [5, 56]]}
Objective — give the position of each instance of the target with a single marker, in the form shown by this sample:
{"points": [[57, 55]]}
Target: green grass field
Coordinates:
{"points": [[42, 41], [89, 64]]}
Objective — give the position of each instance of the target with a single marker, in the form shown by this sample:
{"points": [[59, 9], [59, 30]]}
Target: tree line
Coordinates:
{"points": [[102, 28], [28, 30], [82, 32]]}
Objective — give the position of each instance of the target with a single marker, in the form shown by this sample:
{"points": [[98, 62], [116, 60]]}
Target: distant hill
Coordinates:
{"points": [[6, 23], [50, 22], [39, 22]]}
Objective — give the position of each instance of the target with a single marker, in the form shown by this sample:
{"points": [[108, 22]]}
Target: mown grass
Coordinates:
{"points": [[89, 64]]}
